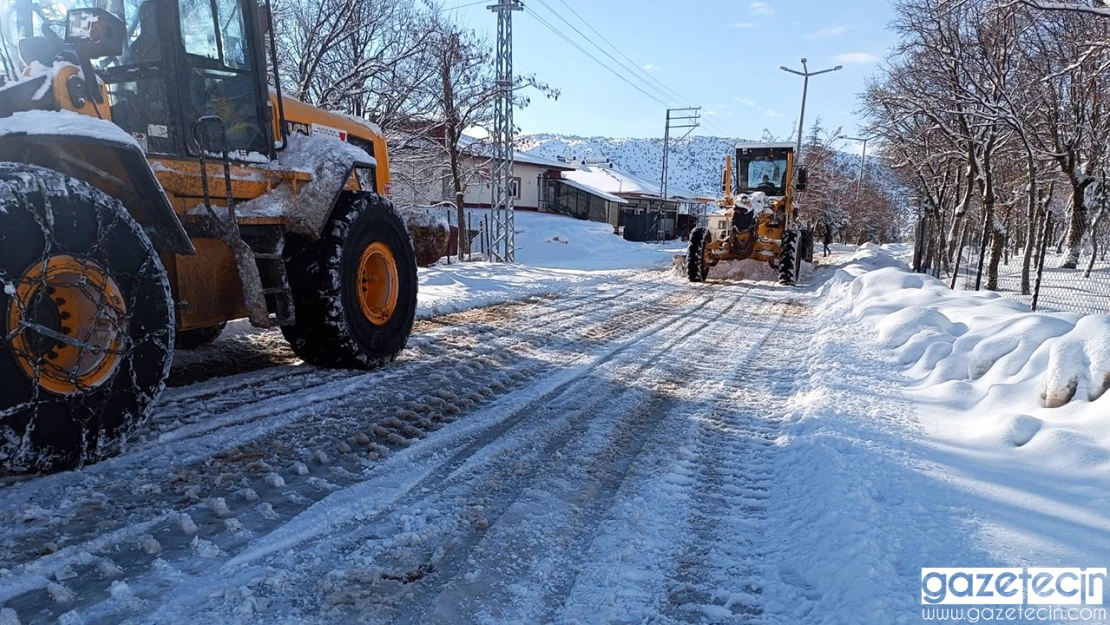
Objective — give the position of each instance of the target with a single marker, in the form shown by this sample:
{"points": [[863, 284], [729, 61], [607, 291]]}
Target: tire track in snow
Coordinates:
{"points": [[554, 428], [530, 559], [577, 333], [720, 574]]}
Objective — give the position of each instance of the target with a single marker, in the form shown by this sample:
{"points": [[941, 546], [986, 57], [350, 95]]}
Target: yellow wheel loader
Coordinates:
{"points": [[757, 217], [154, 186]]}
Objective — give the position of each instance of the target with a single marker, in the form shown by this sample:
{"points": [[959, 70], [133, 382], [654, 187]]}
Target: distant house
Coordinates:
{"points": [[593, 189], [422, 175], [640, 209]]}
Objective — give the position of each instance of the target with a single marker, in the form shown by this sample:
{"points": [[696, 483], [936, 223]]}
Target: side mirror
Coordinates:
{"points": [[800, 183], [95, 33]]}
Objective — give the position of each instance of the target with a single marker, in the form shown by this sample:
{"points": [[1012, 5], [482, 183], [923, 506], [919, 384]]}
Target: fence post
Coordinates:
{"points": [[987, 219], [919, 243], [959, 254], [448, 236], [469, 227], [1045, 238]]}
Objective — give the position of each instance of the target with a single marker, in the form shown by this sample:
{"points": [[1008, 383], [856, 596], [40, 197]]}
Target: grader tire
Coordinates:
{"points": [[696, 269], [807, 245], [354, 288], [198, 338], [788, 258], [86, 322]]}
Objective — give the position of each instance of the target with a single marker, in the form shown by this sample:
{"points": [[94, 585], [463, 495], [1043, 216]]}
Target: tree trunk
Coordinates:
{"points": [[998, 243], [1094, 242], [1077, 227]]}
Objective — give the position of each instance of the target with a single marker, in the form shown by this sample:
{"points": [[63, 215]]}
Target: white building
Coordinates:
{"points": [[422, 176]]}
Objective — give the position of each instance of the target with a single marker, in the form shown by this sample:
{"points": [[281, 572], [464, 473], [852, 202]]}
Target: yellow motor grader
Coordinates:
{"points": [[154, 186], [757, 216]]}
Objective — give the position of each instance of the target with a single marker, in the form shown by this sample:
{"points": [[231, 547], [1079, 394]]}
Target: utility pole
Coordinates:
{"points": [[862, 164], [503, 247], [677, 119], [806, 74]]}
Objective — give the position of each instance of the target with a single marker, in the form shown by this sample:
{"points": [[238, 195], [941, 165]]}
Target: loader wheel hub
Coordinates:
{"points": [[377, 283], [68, 322]]}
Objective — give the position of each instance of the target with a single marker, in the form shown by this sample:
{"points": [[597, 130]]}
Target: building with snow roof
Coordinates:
{"points": [[641, 208], [421, 174]]}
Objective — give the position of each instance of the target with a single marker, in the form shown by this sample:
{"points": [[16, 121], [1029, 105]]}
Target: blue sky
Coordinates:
{"points": [[719, 54]]}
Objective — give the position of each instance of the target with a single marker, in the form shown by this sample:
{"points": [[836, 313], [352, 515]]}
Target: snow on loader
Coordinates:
{"points": [[760, 222], [153, 186]]}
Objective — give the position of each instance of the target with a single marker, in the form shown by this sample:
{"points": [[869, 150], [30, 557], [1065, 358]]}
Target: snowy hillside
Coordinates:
{"points": [[695, 163]]}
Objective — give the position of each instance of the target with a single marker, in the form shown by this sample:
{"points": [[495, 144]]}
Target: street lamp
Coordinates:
{"points": [[863, 161], [806, 74]]}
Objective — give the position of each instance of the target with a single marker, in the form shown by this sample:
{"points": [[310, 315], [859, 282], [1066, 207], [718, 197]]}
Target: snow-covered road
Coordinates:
{"points": [[601, 456], [634, 449]]}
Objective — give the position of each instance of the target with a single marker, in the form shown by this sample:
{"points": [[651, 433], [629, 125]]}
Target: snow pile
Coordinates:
{"points": [[64, 123], [979, 345], [328, 160], [423, 217], [554, 253], [933, 428]]}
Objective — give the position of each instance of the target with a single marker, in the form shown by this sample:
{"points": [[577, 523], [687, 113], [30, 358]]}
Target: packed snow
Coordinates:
{"points": [[554, 253], [631, 448]]}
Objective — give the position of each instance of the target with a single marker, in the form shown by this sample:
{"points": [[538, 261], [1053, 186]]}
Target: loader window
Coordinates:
{"points": [[219, 36]]}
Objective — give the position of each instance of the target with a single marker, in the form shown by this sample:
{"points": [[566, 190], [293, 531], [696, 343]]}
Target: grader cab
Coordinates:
{"points": [[154, 186], [757, 216]]}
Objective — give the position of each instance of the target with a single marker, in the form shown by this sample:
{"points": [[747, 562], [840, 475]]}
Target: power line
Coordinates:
{"points": [[606, 53], [662, 89], [618, 51], [591, 57], [469, 4]]}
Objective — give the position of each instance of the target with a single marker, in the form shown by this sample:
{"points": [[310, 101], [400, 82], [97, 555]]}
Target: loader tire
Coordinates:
{"points": [[696, 268], [354, 288], [198, 338], [788, 257], [86, 322]]}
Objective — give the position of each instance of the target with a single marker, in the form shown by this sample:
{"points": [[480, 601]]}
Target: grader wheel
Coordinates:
{"points": [[86, 321], [696, 267], [788, 258]]}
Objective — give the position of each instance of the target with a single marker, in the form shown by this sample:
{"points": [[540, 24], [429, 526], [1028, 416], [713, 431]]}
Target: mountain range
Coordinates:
{"points": [[695, 163]]}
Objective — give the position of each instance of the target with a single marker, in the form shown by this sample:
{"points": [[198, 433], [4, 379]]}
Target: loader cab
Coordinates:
{"points": [[180, 60], [764, 167]]}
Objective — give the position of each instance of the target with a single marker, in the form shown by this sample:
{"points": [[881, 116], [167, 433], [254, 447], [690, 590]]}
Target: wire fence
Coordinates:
{"points": [[1031, 265]]}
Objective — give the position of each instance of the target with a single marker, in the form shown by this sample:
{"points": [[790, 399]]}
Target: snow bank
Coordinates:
{"points": [[948, 340], [933, 428]]}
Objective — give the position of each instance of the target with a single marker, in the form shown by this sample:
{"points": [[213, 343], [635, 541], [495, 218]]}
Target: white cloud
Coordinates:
{"points": [[710, 112], [749, 103], [856, 58], [651, 68], [826, 33], [743, 25], [761, 8]]}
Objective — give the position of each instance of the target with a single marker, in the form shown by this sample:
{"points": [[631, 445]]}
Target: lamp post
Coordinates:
{"points": [[806, 74]]}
